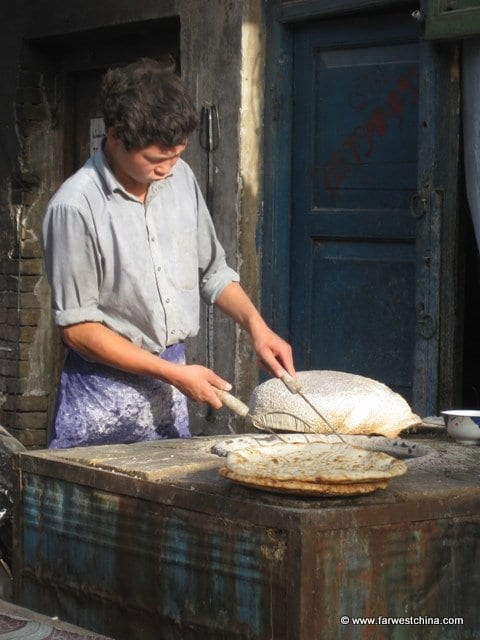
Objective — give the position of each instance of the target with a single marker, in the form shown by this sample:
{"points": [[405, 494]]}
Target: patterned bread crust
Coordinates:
{"points": [[317, 462]]}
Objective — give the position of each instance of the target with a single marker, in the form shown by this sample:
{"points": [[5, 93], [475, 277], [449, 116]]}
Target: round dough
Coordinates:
{"points": [[352, 404]]}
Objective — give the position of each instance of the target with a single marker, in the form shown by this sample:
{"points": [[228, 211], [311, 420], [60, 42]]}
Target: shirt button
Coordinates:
{"points": [[159, 268], [167, 300], [152, 239], [172, 331]]}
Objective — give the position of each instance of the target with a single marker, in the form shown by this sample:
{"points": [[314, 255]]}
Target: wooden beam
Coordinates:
{"points": [[296, 10]]}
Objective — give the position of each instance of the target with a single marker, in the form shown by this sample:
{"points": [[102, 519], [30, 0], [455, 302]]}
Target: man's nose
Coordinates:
{"points": [[165, 167], [162, 170]]}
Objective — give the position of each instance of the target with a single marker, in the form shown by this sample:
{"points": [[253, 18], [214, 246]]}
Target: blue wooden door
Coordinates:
{"points": [[355, 149]]}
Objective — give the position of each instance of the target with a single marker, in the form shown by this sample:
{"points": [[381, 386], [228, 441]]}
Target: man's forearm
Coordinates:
{"points": [[235, 303], [95, 341], [274, 354]]}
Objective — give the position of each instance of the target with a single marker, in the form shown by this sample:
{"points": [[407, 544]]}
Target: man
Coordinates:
{"points": [[129, 249]]}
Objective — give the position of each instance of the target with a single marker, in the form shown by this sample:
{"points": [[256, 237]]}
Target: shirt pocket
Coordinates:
{"points": [[185, 267]]}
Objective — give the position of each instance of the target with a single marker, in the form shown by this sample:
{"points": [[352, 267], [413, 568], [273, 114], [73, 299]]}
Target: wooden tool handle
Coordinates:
{"points": [[292, 385], [233, 403]]}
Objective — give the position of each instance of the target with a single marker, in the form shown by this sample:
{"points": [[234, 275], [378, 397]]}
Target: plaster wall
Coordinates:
{"points": [[221, 57], [250, 179]]}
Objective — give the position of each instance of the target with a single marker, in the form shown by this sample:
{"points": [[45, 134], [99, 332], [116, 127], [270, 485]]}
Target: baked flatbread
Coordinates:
{"points": [[317, 462], [305, 488]]}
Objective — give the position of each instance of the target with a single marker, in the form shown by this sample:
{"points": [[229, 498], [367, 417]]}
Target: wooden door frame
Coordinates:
{"points": [[437, 362], [277, 170], [438, 352]]}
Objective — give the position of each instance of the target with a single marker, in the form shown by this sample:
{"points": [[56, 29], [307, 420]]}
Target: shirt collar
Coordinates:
{"points": [[103, 168]]}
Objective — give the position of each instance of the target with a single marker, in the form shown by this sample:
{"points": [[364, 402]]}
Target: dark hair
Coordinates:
{"points": [[146, 103]]}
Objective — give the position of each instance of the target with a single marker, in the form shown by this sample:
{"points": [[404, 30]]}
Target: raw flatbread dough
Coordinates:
{"points": [[315, 463], [304, 488], [352, 404]]}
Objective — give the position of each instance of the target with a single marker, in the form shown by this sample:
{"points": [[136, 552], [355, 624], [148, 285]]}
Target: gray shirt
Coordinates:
{"points": [[137, 267]]}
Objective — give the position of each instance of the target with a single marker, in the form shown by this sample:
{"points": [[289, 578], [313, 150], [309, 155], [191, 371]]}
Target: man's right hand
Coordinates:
{"points": [[198, 383]]}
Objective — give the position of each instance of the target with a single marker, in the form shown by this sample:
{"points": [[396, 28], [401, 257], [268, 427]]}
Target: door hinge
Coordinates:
{"points": [[426, 325], [420, 204]]}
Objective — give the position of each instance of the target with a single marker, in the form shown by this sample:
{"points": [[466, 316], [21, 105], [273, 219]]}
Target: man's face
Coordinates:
{"points": [[142, 166]]}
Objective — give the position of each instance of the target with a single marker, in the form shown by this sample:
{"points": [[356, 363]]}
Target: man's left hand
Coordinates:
{"points": [[274, 353]]}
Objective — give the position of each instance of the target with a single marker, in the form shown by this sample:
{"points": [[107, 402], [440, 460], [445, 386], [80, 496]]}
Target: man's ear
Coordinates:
{"points": [[113, 143], [112, 135]]}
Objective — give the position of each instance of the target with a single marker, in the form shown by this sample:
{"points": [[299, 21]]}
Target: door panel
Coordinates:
{"points": [[355, 147], [365, 97], [354, 318]]}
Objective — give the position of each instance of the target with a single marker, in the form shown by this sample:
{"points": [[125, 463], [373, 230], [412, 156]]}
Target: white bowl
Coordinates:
{"points": [[463, 425]]}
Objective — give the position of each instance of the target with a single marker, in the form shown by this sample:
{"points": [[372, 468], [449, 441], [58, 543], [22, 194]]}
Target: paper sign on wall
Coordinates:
{"points": [[97, 131]]}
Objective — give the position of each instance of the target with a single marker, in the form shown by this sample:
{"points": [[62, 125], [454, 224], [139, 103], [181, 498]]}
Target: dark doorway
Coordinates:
{"points": [[71, 66], [84, 59], [471, 333]]}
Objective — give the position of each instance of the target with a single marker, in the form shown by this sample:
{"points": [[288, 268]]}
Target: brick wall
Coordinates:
{"points": [[25, 327], [24, 412]]}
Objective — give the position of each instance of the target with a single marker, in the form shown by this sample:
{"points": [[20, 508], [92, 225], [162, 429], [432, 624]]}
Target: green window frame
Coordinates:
{"points": [[452, 19]]}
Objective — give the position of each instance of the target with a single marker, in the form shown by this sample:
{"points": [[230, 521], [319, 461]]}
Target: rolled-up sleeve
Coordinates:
{"points": [[215, 274], [73, 264]]}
